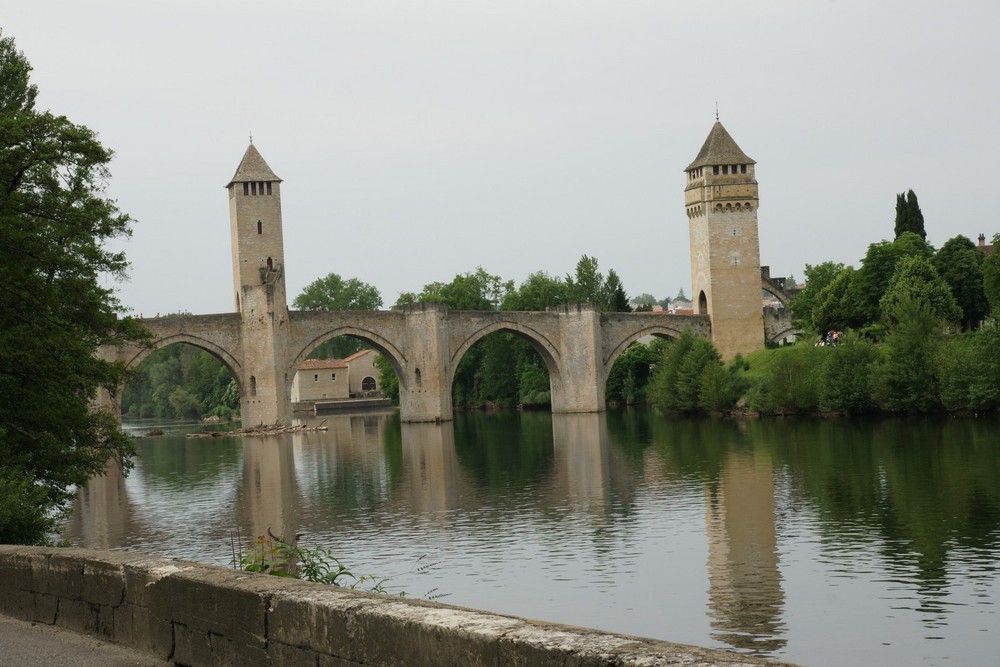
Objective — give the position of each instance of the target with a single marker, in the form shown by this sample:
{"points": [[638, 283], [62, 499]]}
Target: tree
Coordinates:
{"points": [[588, 283], [906, 380], [54, 224], [335, 293], [908, 215], [613, 297], [643, 299], [834, 309], [590, 286], [817, 278], [960, 263], [538, 292], [877, 267], [916, 279], [991, 277]]}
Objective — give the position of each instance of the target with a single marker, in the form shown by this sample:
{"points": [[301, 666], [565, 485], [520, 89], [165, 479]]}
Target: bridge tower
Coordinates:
{"points": [[721, 201], [259, 281]]}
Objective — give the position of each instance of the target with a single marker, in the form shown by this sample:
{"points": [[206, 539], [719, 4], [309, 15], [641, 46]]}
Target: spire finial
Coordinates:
{"points": [[716, 113], [251, 131]]}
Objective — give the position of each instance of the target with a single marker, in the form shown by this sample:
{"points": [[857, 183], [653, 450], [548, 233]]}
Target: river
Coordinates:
{"points": [[818, 542]]}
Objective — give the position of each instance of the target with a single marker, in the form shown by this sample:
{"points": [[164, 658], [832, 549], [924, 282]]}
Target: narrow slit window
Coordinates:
{"points": [[260, 227], [246, 189], [269, 186], [253, 188]]}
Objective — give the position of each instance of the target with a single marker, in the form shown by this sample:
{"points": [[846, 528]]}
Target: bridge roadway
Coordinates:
{"points": [[424, 343]]}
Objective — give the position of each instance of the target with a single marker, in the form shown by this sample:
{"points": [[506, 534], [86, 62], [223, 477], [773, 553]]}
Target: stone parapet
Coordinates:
{"points": [[195, 614]]}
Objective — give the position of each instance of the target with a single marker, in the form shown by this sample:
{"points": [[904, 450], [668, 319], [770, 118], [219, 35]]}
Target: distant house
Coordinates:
{"points": [[332, 379], [987, 249]]}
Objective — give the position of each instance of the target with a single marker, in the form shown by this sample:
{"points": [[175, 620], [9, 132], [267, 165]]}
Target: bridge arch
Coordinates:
{"points": [[541, 344], [782, 334], [214, 349], [396, 358], [141, 354]]}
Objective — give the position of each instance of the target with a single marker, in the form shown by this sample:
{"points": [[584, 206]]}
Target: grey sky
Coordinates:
{"points": [[419, 140]]}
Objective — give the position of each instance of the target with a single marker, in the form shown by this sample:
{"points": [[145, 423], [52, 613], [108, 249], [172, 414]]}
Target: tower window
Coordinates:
{"points": [[246, 189], [743, 170], [253, 385], [725, 169], [260, 227], [715, 170], [253, 188], [269, 186]]}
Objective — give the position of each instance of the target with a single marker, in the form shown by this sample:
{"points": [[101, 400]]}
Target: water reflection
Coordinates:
{"points": [[752, 535], [745, 596]]}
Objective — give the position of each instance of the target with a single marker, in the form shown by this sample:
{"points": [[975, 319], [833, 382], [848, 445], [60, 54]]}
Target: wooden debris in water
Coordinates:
{"points": [[276, 428]]}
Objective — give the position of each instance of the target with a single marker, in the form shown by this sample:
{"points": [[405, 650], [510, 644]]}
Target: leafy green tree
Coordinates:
{"points": [[679, 379], [613, 297], [467, 291], [538, 292], [643, 299], [960, 263], [877, 267], [630, 373], [906, 378], [55, 223], [991, 277], [587, 286], [845, 375], [335, 293], [817, 278], [590, 286], [834, 309], [789, 384], [969, 371], [908, 215], [915, 278]]}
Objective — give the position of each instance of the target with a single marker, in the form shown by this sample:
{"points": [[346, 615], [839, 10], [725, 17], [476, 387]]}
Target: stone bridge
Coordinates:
{"points": [[424, 343]]}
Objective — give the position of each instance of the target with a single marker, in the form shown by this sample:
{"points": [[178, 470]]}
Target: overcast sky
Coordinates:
{"points": [[419, 140]]}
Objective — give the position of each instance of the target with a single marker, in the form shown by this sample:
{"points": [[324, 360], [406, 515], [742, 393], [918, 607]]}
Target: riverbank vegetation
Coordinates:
{"points": [[55, 225]]}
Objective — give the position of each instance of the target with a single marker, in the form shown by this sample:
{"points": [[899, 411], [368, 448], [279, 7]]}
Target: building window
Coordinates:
{"points": [[743, 170], [253, 188], [269, 186], [246, 189], [725, 169], [260, 227], [416, 376], [316, 377], [333, 377], [253, 385], [715, 170]]}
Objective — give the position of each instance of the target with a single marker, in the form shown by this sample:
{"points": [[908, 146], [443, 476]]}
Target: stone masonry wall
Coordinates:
{"points": [[195, 615]]}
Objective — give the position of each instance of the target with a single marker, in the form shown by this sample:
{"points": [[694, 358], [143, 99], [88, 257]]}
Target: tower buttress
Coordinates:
{"points": [[721, 201]]}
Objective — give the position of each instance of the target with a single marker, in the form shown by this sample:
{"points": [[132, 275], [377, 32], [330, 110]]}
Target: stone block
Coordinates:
{"points": [[103, 583], [423, 633], [317, 620], [283, 655]]}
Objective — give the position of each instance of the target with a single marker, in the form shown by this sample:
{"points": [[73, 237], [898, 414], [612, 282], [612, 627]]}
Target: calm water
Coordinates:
{"points": [[822, 543]]}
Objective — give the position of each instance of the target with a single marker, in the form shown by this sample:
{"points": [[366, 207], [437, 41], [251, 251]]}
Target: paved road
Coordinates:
{"points": [[30, 644]]}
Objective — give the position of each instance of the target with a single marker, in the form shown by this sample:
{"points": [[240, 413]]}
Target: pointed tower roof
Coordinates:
{"points": [[719, 148], [252, 168]]}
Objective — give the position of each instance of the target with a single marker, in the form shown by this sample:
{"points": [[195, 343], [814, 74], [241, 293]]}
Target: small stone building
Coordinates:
{"points": [[333, 379]]}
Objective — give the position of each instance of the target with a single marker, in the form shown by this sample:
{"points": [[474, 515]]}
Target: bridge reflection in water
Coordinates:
{"points": [[552, 483]]}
